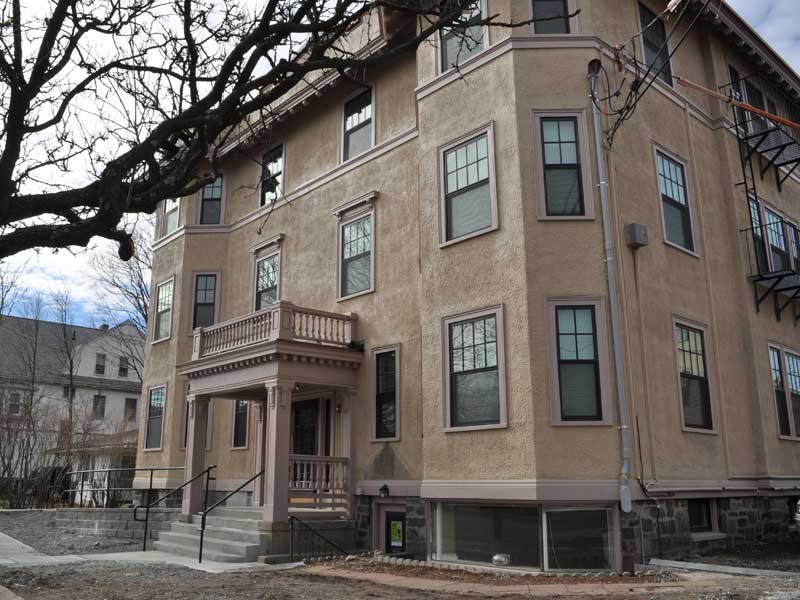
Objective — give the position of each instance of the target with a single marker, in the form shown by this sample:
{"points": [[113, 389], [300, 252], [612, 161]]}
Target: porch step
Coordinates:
{"points": [[226, 522], [244, 551], [191, 552], [237, 512], [224, 533]]}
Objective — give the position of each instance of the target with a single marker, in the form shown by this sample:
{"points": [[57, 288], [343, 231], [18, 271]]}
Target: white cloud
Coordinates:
{"points": [[776, 22]]}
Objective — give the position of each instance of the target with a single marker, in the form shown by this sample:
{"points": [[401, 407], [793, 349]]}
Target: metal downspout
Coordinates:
{"points": [[611, 273]]}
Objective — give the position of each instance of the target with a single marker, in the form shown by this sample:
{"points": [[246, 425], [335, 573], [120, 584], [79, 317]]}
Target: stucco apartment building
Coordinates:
{"points": [[437, 312]]}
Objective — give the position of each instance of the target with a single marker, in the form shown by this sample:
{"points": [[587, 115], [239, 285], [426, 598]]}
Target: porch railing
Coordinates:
{"points": [[283, 320], [318, 481]]}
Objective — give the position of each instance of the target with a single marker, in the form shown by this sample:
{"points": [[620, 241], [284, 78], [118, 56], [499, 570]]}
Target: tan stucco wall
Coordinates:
{"points": [[520, 265]]}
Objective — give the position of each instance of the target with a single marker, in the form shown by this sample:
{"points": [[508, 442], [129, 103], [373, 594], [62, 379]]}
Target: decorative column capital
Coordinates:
{"points": [[279, 394]]}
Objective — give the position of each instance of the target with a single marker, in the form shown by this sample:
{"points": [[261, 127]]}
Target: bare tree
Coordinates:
{"points": [[10, 289], [67, 350], [146, 94]]}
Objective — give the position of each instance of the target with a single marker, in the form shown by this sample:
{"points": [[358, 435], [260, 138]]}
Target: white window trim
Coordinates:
{"points": [[163, 221], [373, 387], [709, 359], [488, 129], [267, 150], [794, 435], [656, 11], [223, 195], [343, 120], [603, 361], [195, 274], [171, 311], [497, 312], [688, 184], [573, 21], [438, 46], [246, 429], [146, 417], [263, 253], [356, 212], [585, 164]]}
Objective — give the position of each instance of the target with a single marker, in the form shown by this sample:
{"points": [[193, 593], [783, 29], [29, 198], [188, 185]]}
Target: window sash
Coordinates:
{"points": [[594, 362], [100, 364], [693, 367], [386, 412], [123, 366], [356, 235], [357, 117], [470, 39], [163, 320], [240, 423], [272, 173], [156, 403], [545, 9], [656, 50], [779, 392], [459, 371], [170, 218], [267, 284], [211, 202], [205, 297]]}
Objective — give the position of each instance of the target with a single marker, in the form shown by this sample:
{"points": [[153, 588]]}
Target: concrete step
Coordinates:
{"points": [[238, 512], [192, 552], [246, 552], [229, 522], [224, 533]]}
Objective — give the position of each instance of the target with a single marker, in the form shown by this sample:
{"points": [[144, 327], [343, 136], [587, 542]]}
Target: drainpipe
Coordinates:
{"points": [[611, 273]]}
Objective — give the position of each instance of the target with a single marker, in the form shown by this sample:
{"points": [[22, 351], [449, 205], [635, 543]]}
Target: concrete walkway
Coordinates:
{"points": [[16, 554], [544, 590], [209, 566], [729, 570]]}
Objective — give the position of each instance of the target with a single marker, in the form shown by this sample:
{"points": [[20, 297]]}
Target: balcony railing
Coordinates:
{"points": [[773, 249], [318, 481], [283, 320]]}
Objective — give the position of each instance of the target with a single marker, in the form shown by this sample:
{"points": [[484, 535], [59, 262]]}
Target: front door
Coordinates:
{"points": [[305, 423], [395, 534]]}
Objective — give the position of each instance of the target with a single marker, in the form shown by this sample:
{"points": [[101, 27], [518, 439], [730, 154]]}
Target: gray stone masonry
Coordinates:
{"points": [[416, 529], [114, 522]]}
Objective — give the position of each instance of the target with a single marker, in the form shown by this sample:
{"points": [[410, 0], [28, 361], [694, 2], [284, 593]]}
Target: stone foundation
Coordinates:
{"points": [[114, 522], [416, 529]]}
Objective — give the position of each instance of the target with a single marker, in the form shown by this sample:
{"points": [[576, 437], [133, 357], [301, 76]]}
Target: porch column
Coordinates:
{"points": [[347, 398], [276, 476], [196, 426], [261, 449]]}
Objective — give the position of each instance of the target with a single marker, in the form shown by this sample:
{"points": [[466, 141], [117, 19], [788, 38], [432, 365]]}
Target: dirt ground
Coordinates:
{"points": [[38, 530], [113, 581], [777, 557]]}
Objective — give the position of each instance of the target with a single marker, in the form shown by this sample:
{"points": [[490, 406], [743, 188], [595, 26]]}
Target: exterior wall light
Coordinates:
{"points": [[384, 491]]}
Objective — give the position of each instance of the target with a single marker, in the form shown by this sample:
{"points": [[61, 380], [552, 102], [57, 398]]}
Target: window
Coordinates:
{"points": [[356, 256], [205, 294], [760, 249], [793, 378], [99, 408], [695, 393], [14, 404], [562, 168], [66, 391], [578, 366], [163, 321], [385, 392], [782, 408], [475, 391], [123, 367], [240, 423], [460, 42], [578, 539], [169, 220], [674, 202], [272, 176], [357, 125], [131, 404], [550, 9], [267, 281], [211, 202], [469, 203], [776, 236], [100, 364], [654, 42], [155, 417], [702, 515]]}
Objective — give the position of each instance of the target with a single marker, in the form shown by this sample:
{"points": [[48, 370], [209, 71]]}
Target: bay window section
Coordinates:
{"points": [[155, 415], [674, 202], [163, 320], [468, 202], [211, 202], [267, 274], [463, 39], [205, 294], [578, 366], [694, 385]]}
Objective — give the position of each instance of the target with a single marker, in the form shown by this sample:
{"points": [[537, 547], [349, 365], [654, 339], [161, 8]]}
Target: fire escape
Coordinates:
{"points": [[767, 143]]}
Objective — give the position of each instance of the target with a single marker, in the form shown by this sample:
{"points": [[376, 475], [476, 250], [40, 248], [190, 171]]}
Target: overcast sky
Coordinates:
{"points": [[775, 20]]}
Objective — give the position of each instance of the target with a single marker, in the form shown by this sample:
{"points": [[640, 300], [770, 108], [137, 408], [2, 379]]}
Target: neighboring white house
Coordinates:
{"points": [[48, 368]]}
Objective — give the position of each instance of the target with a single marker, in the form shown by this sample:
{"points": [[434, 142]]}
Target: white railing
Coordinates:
{"points": [[318, 481], [281, 321]]}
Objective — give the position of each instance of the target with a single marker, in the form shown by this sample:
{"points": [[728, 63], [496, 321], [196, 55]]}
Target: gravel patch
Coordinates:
{"points": [[773, 556], [37, 529]]}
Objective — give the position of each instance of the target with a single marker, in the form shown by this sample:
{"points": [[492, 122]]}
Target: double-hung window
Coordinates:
{"points": [[562, 167], [551, 16], [100, 364], [155, 416], [163, 320], [785, 370], [272, 176], [122, 371], [654, 43], [131, 405], [267, 277], [469, 203], [170, 217], [357, 125], [356, 256], [211, 202], [462, 40], [475, 391], [776, 241], [386, 392], [205, 295], [98, 408], [578, 363], [694, 384], [240, 412], [15, 404], [779, 391], [674, 202], [776, 236]]}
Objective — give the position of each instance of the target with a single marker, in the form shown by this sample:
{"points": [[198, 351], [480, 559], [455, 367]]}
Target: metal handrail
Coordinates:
{"points": [[206, 473], [83, 489], [292, 520], [215, 505]]}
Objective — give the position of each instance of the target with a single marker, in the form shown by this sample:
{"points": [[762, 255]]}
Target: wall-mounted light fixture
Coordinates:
{"points": [[384, 491]]}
